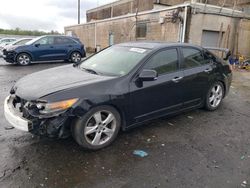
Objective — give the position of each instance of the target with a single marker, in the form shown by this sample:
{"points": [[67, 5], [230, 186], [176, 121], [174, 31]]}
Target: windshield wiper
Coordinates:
{"points": [[90, 70]]}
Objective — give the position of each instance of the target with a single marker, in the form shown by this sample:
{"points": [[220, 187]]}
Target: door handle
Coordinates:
{"points": [[208, 70], [51, 46], [177, 79]]}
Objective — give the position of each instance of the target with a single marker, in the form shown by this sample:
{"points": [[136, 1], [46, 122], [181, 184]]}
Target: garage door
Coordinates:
{"points": [[210, 38]]}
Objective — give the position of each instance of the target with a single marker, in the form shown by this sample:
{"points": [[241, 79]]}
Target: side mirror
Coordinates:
{"points": [[36, 45], [148, 75]]}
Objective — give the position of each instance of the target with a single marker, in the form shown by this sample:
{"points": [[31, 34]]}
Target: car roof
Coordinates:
{"points": [[156, 44]]}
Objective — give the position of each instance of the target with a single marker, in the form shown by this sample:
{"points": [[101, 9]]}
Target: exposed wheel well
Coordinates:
{"points": [[122, 116], [224, 87]]}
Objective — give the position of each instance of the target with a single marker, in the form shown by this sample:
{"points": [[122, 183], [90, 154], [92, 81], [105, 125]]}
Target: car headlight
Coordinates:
{"points": [[55, 107]]}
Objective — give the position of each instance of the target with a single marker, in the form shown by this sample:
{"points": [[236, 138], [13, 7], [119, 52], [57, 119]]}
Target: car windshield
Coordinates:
{"points": [[114, 61], [33, 40], [21, 42]]}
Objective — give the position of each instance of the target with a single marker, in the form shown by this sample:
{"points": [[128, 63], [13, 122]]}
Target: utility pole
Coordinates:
{"points": [[79, 11]]}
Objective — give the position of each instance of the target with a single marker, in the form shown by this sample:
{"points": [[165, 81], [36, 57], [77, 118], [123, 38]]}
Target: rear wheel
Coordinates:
{"points": [[98, 128], [76, 57], [23, 59], [214, 96]]}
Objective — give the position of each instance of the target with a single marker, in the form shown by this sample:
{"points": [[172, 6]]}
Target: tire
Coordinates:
{"points": [[75, 57], [214, 96], [98, 128], [23, 59]]}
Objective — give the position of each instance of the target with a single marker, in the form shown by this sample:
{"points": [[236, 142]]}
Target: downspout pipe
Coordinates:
{"points": [[184, 25], [95, 37]]}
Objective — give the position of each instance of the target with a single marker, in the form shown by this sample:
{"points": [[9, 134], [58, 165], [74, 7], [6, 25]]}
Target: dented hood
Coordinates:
{"points": [[37, 85]]}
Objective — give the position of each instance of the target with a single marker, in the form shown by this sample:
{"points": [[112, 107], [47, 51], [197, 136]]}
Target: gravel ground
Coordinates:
{"points": [[195, 149]]}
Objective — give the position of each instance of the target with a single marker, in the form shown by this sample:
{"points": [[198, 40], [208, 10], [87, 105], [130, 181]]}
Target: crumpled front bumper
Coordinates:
{"points": [[58, 126], [14, 118], [9, 56]]}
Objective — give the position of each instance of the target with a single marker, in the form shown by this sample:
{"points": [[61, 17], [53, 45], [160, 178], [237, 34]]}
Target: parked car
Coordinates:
{"points": [[5, 41], [46, 48], [14, 44], [118, 88]]}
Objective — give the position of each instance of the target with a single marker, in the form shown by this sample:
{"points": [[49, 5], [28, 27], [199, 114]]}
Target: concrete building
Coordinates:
{"points": [[220, 23]]}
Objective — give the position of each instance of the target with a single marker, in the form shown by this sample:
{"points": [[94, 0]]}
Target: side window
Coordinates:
{"points": [[192, 58], [46, 41], [68, 41], [164, 62], [58, 40], [63, 40]]}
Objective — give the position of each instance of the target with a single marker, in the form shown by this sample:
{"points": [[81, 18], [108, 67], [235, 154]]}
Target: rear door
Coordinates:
{"points": [[150, 99], [198, 71], [63, 46]]}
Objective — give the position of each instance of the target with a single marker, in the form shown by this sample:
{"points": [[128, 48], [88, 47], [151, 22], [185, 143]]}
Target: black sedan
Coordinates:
{"points": [[118, 88]]}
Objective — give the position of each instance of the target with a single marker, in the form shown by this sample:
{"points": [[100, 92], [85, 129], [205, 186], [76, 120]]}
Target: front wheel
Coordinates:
{"points": [[75, 57], [98, 128], [23, 59], [214, 96]]}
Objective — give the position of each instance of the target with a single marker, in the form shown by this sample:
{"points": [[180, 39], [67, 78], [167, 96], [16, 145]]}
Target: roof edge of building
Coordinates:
{"points": [[117, 2], [223, 12]]}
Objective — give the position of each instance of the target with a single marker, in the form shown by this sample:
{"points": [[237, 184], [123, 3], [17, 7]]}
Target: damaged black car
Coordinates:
{"points": [[118, 88]]}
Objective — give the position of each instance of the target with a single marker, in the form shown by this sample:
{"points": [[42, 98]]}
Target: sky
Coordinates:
{"points": [[44, 15]]}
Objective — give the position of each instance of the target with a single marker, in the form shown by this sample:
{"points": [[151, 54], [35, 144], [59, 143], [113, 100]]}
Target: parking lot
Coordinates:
{"points": [[195, 149]]}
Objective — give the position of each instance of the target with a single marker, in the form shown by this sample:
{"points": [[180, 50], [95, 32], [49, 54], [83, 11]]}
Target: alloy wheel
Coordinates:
{"points": [[100, 128], [216, 95], [23, 59], [76, 57]]}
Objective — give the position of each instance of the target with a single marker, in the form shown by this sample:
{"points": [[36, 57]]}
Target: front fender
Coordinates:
{"points": [[24, 51]]}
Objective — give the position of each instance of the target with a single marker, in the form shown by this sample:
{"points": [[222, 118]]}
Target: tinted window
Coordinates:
{"points": [[164, 62], [192, 57], [63, 40], [45, 40]]}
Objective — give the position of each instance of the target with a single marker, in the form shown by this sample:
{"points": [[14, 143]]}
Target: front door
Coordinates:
{"points": [[151, 99], [43, 49]]}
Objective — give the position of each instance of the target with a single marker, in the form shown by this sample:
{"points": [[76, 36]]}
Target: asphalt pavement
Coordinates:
{"points": [[194, 149]]}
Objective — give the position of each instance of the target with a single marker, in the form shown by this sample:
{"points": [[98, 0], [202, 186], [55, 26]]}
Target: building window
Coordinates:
{"points": [[141, 30]]}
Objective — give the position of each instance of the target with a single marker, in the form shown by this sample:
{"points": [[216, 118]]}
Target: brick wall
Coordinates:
{"points": [[123, 30]]}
